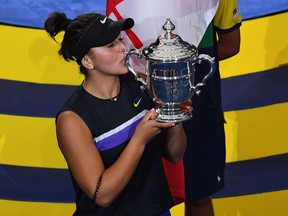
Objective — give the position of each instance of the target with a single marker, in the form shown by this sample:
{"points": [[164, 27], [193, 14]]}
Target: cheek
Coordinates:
{"points": [[106, 58], [110, 63], [102, 61]]}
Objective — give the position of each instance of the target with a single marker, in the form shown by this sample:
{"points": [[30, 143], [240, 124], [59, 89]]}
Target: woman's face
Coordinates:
{"points": [[110, 59]]}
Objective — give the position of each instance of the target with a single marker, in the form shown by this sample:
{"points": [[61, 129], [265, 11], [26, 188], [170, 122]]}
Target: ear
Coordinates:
{"points": [[87, 62]]}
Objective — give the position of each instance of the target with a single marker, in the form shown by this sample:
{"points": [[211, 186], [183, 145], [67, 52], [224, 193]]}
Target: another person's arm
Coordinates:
{"points": [[227, 22], [175, 141], [228, 43]]}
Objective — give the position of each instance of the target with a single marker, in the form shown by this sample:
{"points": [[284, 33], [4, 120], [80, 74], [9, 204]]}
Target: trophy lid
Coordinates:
{"points": [[169, 47]]}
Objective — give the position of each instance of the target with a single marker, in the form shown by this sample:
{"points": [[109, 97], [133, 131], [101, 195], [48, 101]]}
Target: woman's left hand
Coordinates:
{"points": [[187, 106]]}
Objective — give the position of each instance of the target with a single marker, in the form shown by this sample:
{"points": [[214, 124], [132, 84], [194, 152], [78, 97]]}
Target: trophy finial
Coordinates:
{"points": [[168, 27], [169, 46]]}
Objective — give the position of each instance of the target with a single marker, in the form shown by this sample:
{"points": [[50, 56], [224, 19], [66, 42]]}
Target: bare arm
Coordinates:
{"points": [[228, 44], [84, 160], [175, 140]]}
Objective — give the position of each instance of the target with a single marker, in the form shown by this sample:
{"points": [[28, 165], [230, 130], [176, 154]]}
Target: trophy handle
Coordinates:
{"points": [[138, 53], [211, 61]]}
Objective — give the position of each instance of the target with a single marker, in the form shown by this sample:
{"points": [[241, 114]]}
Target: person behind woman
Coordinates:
{"points": [[105, 130]]}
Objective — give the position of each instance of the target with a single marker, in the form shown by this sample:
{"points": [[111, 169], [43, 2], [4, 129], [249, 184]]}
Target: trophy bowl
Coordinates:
{"points": [[170, 85], [170, 73]]}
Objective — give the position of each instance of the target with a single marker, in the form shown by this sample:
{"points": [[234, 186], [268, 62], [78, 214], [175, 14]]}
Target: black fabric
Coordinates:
{"points": [[207, 109], [147, 193], [204, 166], [204, 159]]}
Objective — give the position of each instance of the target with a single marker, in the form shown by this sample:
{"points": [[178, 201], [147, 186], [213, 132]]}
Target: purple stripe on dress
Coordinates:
{"points": [[118, 138], [167, 213]]}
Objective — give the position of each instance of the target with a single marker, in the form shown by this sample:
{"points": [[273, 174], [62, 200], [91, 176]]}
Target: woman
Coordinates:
{"points": [[111, 143]]}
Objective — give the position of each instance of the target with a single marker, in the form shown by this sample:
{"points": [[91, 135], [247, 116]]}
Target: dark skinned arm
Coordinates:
{"points": [[228, 44]]}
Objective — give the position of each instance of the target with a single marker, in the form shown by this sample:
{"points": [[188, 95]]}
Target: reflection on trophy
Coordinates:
{"points": [[170, 73]]}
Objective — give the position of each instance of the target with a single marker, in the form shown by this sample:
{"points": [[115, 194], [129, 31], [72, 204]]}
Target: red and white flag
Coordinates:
{"points": [[191, 18]]}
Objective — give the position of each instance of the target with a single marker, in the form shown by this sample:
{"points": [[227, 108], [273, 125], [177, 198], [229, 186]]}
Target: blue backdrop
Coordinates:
{"points": [[31, 13]]}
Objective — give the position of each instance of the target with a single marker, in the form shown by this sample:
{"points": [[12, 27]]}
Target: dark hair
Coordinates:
{"points": [[58, 21]]}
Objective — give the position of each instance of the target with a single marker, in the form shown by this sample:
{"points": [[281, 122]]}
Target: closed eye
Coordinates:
{"points": [[119, 39]]}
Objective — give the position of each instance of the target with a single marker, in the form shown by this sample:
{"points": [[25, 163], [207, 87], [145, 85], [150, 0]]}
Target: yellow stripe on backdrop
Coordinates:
{"points": [[265, 204], [33, 58], [250, 134], [264, 45], [256, 133], [18, 208], [29, 141], [31, 55]]}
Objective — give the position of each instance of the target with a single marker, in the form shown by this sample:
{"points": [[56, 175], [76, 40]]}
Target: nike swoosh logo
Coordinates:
{"points": [[104, 20], [137, 103]]}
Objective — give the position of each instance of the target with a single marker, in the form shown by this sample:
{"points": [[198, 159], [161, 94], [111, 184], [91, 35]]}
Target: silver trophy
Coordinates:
{"points": [[170, 73]]}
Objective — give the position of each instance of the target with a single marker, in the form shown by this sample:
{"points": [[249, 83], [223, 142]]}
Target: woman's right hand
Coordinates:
{"points": [[148, 128]]}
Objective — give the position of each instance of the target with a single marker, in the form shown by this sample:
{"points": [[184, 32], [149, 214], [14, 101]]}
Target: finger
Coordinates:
{"points": [[157, 104], [188, 103], [189, 109], [164, 124], [149, 115]]}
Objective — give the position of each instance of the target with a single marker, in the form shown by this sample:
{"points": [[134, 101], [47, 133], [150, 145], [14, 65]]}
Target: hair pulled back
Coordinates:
{"points": [[58, 21]]}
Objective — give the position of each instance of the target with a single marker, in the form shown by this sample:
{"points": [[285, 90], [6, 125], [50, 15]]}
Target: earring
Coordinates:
{"points": [[92, 67]]}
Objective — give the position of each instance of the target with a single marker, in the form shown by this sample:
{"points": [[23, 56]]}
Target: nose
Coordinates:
{"points": [[123, 46]]}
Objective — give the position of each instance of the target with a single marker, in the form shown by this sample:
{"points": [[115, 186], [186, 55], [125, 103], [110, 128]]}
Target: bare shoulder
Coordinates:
{"points": [[68, 117], [70, 128]]}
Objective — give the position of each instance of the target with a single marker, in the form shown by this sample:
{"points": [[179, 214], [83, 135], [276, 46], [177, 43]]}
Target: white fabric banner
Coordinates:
{"points": [[191, 17]]}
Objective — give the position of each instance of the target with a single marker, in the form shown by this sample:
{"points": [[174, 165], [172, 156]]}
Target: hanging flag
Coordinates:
{"points": [[191, 18]]}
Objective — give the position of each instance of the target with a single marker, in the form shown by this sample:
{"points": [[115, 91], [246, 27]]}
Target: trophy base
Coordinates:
{"points": [[172, 117]]}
